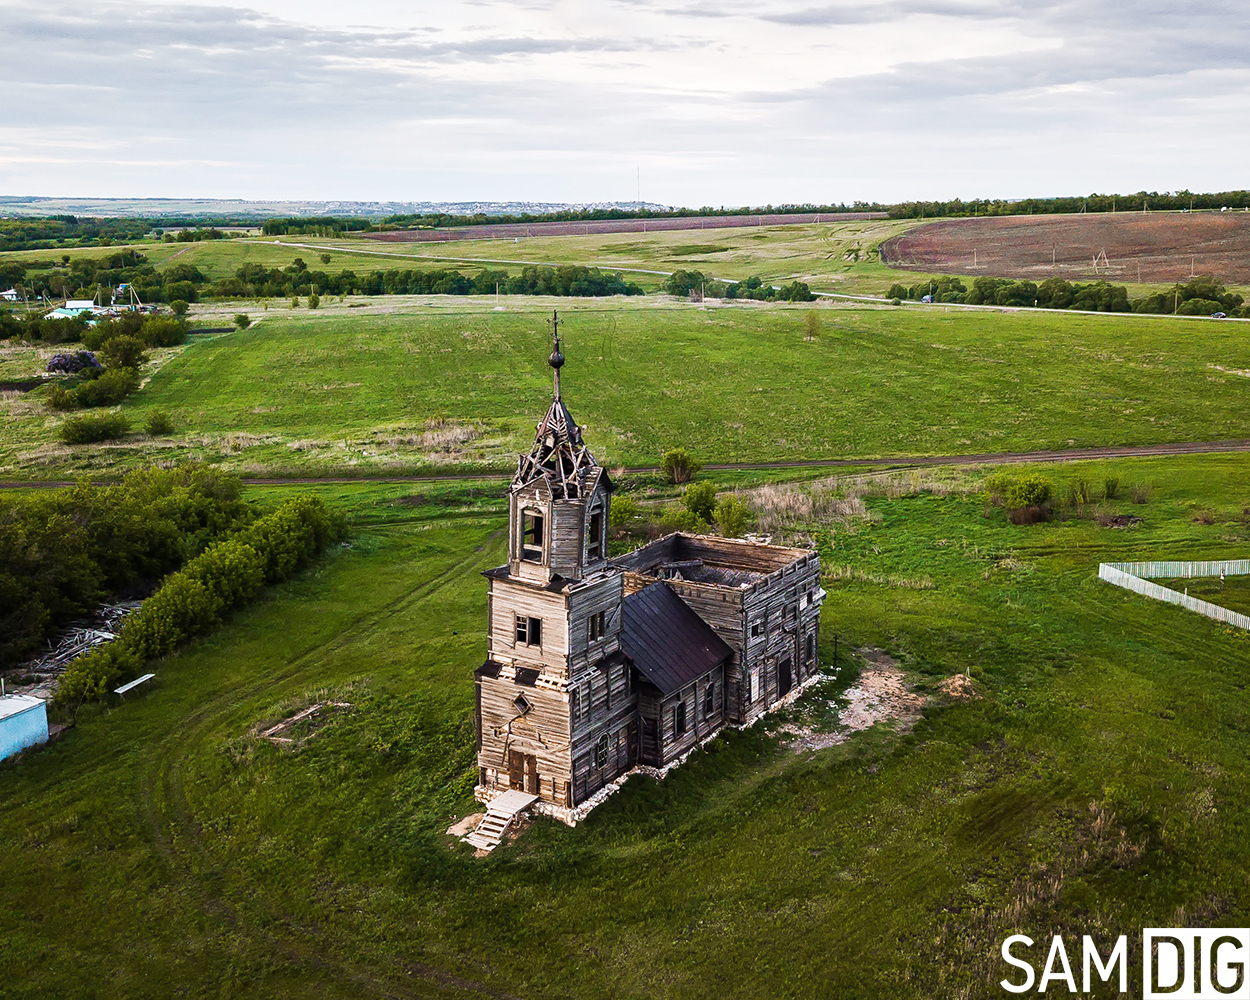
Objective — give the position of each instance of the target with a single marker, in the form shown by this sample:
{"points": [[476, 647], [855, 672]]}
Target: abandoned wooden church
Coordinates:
{"points": [[599, 665]]}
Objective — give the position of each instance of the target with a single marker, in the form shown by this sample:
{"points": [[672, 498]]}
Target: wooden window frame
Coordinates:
{"points": [[598, 626], [594, 541], [533, 534], [529, 631], [679, 719], [603, 748], [709, 700]]}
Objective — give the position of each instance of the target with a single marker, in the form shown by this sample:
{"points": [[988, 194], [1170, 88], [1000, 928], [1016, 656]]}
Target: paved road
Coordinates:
{"points": [[897, 462]]}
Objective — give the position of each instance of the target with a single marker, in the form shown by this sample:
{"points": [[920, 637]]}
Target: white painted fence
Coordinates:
{"points": [[1132, 576]]}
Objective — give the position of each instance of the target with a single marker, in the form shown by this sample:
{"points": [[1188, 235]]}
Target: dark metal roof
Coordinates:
{"points": [[555, 585], [669, 644], [526, 675], [490, 668]]}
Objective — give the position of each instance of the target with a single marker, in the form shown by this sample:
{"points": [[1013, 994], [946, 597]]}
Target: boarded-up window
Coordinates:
{"points": [[532, 536]]}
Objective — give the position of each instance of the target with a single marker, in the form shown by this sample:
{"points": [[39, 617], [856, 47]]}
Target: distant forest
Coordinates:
{"points": [[59, 231]]}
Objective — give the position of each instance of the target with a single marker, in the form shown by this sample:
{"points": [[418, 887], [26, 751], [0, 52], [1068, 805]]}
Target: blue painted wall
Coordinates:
{"points": [[26, 728]]}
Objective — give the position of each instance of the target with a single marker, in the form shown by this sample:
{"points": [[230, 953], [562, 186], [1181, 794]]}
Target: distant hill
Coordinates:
{"points": [[14, 206]]}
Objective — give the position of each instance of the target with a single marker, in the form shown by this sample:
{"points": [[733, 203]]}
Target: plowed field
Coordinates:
{"points": [[1164, 246]]}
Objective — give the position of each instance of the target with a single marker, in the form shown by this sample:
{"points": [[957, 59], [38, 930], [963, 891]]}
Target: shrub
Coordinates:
{"points": [[60, 398], [159, 423], [179, 307], [625, 511], [678, 465], [1111, 487], [325, 258], [1080, 492], [109, 389], [681, 519], [243, 321], [896, 301], [700, 500], [731, 515], [314, 300], [1141, 494], [294, 301], [86, 428], [123, 351], [72, 364], [1032, 490], [163, 331]]}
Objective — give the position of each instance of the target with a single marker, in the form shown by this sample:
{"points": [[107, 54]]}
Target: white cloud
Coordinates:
{"points": [[718, 103]]}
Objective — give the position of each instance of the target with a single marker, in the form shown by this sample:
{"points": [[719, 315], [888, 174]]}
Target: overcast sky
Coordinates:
{"points": [[714, 101]]}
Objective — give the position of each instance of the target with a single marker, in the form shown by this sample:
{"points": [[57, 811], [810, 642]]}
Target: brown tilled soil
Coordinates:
{"points": [[1121, 247], [518, 230]]}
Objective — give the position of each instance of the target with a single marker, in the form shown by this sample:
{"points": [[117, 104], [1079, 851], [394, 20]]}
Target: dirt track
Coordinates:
{"points": [[903, 462], [517, 230], [1124, 246]]}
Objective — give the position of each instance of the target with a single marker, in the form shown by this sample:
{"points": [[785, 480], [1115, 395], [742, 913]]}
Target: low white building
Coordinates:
{"points": [[23, 723]]}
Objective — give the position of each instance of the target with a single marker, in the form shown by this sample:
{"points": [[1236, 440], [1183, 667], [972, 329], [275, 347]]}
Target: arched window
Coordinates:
{"points": [[594, 543], [601, 751]]}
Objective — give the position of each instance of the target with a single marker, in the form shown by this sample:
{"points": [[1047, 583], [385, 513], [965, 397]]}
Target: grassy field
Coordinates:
{"points": [[461, 384], [1232, 593], [1095, 786]]}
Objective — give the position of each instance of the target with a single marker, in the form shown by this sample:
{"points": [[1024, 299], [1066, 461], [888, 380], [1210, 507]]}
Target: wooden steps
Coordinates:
{"points": [[501, 813]]}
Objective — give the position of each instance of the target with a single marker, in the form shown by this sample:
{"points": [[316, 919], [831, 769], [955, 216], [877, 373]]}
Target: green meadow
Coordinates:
{"points": [[1094, 784], [423, 387]]}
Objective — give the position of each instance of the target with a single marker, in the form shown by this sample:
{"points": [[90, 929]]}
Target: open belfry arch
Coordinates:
{"points": [[598, 666]]}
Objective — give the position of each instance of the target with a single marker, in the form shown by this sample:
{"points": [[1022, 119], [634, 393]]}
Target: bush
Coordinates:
{"points": [[107, 390], [86, 428], [60, 398], [159, 423], [243, 321], [1111, 487], [1080, 493], [700, 500], [162, 331], [123, 351], [72, 364], [681, 519], [1030, 491], [678, 465], [1029, 515], [625, 511], [314, 300], [179, 307], [731, 515]]}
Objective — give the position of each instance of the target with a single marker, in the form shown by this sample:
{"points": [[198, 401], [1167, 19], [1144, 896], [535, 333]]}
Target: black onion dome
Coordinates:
{"points": [[557, 359]]}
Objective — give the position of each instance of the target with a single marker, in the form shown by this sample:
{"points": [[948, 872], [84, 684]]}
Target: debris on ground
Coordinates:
{"points": [[311, 716], [959, 687], [465, 826], [38, 676], [881, 695]]}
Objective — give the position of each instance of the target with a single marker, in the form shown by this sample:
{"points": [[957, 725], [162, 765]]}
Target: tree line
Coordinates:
{"points": [[685, 283], [1155, 201], [1201, 296]]}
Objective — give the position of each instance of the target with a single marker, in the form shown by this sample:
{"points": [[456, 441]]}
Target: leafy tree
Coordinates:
{"points": [[325, 258], [243, 321], [179, 307], [811, 326], [625, 511], [123, 351], [314, 300]]}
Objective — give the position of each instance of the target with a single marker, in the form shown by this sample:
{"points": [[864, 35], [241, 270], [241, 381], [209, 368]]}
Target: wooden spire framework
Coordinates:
{"points": [[559, 455]]}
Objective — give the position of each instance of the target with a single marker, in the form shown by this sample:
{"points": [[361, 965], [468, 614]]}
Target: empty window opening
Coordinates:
{"points": [[709, 700], [532, 536], [598, 625], [521, 703], [679, 718], [529, 631], [757, 629], [594, 545]]}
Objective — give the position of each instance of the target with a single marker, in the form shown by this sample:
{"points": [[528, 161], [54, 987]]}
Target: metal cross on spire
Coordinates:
{"points": [[557, 359]]}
